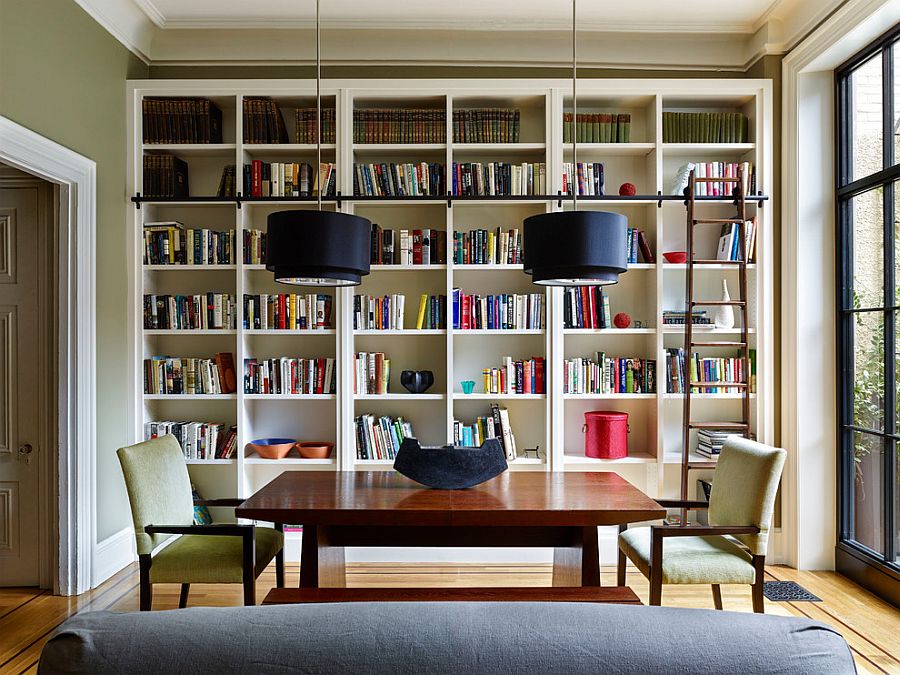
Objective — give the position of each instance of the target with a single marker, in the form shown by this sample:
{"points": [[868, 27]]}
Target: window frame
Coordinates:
{"points": [[888, 178]]}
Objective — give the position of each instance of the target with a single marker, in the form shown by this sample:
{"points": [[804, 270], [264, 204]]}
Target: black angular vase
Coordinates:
{"points": [[417, 381], [450, 467]]}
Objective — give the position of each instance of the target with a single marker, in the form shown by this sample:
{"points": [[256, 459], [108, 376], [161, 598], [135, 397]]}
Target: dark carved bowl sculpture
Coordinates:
{"points": [[450, 467], [417, 381]]}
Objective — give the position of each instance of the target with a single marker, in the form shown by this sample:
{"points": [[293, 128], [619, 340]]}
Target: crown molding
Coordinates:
{"points": [[126, 22]]}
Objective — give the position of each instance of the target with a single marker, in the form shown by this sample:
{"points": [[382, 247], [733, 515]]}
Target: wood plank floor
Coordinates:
{"points": [[871, 626]]}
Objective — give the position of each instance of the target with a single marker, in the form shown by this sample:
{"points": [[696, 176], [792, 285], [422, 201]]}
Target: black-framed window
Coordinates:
{"points": [[868, 258]]}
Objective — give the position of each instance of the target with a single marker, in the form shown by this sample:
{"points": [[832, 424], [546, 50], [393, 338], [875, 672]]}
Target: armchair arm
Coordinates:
{"points": [[218, 502], [660, 531], [229, 529], [682, 504]]}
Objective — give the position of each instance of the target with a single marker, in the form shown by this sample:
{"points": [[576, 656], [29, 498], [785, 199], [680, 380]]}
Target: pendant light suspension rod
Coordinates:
{"points": [[574, 113], [318, 110]]}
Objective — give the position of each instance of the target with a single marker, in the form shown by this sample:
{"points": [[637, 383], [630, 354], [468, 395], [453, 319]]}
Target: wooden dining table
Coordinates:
{"points": [[557, 510]]}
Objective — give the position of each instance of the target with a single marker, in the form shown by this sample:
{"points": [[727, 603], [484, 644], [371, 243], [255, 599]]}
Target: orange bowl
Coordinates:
{"points": [[315, 449], [271, 448]]}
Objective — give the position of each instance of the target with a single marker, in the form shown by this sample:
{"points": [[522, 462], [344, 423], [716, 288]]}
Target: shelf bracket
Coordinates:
{"points": [[659, 203], [137, 201], [449, 199], [337, 199], [238, 199], [760, 202], [559, 200]]}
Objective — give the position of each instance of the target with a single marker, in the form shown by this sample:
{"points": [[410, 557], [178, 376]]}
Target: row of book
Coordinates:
{"points": [[723, 170], [181, 120], [499, 178], [516, 376], [190, 376], [486, 125], [288, 179], [704, 127], [165, 175], [609, 375], [503, 311], [637, 246], [169, 243], [496, 425], [201, 311], [372, 312], [586, 307], [198, 440], [305, 130], [423, 246], [399, 180], [380, 437], [287, 311], [597, 127], [371, 373], [483, 247], [586, 177], [432, 314], [710, 442], [288, 375], [255, 247], [262, 121], [699, 318], [730, 238], [413, 125], [718, 370]]}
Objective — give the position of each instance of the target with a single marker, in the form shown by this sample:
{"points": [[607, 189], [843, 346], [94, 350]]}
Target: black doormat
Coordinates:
{"points": [[787, 591]]}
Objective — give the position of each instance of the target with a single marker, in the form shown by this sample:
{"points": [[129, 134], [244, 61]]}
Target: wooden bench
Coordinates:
{"points": [[611, 594]]}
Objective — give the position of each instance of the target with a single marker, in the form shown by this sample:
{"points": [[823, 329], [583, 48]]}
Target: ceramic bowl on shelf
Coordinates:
{"points": [[272, 448], [417, 381], [315, 449], [676, 257]]}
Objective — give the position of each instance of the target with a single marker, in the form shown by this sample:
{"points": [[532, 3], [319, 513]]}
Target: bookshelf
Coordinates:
{"points": [[551, 421]]}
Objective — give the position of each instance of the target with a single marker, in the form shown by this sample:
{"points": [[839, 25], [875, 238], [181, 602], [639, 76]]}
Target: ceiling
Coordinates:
{"points": [[660, 34]]}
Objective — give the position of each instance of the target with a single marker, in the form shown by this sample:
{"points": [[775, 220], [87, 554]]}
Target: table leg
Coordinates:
{"points": [[579, 563], [321, 565]]}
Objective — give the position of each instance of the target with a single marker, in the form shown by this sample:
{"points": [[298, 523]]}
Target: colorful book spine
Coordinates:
{"points": [[286, 375]]}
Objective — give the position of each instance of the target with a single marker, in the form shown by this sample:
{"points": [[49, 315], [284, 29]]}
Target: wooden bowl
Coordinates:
{"points": [[272, 448], [315, 449], [676, 257]]}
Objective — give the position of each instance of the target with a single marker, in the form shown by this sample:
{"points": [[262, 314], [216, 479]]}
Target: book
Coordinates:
{"points": [[503, 311], [432, 312], [169, 243], [486, 125], [705, 127], [603, 127], [165, 175], [181, 376], [263, 121], [379, 312], [498, 178], [609, 375], [515, 376], [201, 311], [287, 375], [718, 371], [372, 373], [586, 177], [227, 376], [399, 180], [380, 437], [305, 125], [287, 311], [287, 179], [198, 440], [484, 247], [403, 125], [180, 120]]}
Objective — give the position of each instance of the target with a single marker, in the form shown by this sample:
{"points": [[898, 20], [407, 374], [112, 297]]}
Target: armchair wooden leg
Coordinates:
{"points": [[759, 564], [279, 561], [621, 561], [183, 598], [656, 553], [717, 596], [249, 569], [146, 588]]}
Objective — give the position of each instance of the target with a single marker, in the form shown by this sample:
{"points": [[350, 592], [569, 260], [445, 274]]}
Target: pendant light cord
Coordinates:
{"points": [[318, 112], [574, 114]]}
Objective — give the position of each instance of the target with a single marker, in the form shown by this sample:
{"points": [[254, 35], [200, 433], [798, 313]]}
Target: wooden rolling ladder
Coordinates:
{"points": [[743, 426]]}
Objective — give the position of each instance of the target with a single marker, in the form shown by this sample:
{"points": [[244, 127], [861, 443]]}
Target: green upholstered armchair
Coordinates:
{"points": [[162, 506], [732, 548]]}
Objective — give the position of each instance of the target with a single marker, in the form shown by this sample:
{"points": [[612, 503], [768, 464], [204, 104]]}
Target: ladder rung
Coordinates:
{"points": [[717, 180], [714, 221], [718, 303], [718, 344], [719, 425], [739, 385], [718, 262]]}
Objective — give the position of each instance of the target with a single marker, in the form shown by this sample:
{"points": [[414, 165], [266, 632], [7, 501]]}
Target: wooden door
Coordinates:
{"points": [[21, 236]]}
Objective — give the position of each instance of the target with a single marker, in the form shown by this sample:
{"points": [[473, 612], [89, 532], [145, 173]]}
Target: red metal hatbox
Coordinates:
{"points": [[605, 434]]}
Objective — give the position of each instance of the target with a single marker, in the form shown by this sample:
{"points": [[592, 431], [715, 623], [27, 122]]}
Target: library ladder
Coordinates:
{"points": [[739, 219]]}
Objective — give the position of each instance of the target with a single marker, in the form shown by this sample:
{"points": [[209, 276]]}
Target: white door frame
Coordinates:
{"points": [[75, 489]]}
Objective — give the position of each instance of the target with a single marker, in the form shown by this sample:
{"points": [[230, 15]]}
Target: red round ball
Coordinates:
{"points": [[627, 190], [622, 320]]}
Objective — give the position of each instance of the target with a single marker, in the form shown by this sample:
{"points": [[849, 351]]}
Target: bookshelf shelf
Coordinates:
{"points": [[675, 267], [210, 462], [552, 421], [706, 397], [192, 331]]}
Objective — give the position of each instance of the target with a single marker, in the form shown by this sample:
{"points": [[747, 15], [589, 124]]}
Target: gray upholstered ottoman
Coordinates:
{"points": [[462, 637]]}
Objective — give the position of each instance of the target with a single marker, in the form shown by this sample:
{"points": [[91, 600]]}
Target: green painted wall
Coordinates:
{"points": [[63, 76]]}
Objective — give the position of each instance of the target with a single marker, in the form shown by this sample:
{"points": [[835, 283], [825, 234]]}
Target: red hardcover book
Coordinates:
{"points": [[538, 374], [527, 373], [282, 312], [256, 178], [645, 248], [320, 376], [465, 311]]}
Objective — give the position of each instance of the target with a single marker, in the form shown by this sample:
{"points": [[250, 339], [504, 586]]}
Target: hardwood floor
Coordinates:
{"points": [[871, 626]]}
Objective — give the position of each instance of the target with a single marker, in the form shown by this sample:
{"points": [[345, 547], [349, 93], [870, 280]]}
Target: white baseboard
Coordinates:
{"points": [[112, 554], [607, 543]]}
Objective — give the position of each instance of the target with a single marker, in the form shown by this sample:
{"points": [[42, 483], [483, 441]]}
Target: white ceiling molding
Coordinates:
{"points": [[172, 32]]}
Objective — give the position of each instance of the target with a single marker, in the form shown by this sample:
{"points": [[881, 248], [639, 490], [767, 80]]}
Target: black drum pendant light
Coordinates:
{"points": [[318, 248], [575, 248]]}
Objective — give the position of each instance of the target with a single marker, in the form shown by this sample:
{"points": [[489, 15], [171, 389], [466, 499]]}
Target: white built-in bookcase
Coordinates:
{"points": [[552, 421]]}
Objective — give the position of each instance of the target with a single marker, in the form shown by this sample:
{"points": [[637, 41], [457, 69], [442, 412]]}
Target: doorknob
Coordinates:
{"points": [[25, 452]]}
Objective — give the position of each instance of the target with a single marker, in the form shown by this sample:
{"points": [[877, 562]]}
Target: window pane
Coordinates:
{"points": [[867, 500], [868, 248], [868, 370], [867, 130], [895, 125]]}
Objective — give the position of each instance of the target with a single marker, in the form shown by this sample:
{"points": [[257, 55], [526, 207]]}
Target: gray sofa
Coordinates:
{"points": [[467, 637]]}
